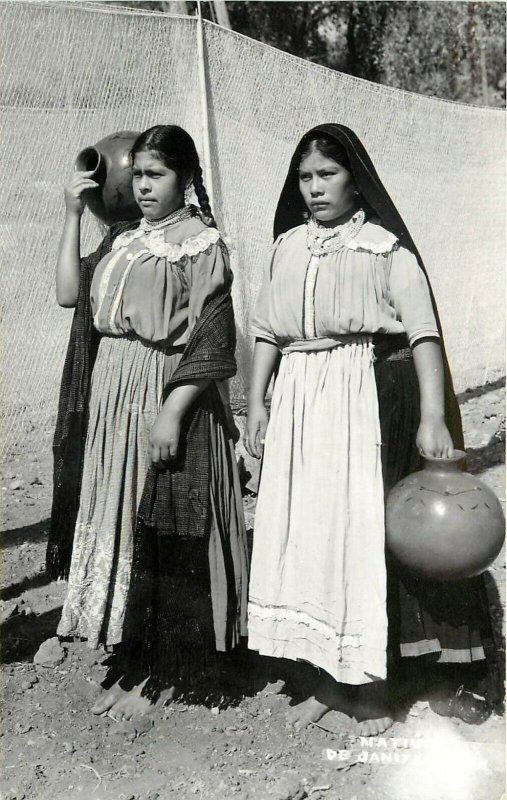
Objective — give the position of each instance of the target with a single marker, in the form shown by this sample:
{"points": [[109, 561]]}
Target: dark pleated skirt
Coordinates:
{"points": [[188, 594], [448, 622]]}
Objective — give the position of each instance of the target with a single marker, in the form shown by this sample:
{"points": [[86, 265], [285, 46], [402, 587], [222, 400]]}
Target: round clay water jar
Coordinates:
{"points": [[442, 523], [113, 200]]}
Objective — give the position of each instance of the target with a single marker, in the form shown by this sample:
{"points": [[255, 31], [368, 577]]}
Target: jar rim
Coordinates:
{"points": [[457, 455]]}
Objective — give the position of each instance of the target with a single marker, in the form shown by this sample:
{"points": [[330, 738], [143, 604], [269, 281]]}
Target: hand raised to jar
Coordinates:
{"points": [[69, 252], [74, 189]]}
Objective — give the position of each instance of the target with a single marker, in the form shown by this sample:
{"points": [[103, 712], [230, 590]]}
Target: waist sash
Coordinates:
{"points": [[324, 343]]}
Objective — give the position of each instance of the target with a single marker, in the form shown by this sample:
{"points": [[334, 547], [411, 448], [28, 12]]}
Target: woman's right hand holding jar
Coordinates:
{"points": [[74, 191]]}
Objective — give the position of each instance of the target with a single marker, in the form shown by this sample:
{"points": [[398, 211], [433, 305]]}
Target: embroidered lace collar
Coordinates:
{"points": [[154, 242], [373, 238]]}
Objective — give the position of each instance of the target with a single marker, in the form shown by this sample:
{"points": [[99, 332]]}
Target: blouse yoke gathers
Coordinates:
{"points": [[154, 286], [370, 285]]}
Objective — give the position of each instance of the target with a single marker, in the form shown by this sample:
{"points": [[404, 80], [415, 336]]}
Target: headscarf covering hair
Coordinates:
{"points": [[291, 206], [291, 209]]}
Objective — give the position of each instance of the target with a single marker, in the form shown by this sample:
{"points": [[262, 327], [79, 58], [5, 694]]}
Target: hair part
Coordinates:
{"points": [[176, 149], [326, 146]]}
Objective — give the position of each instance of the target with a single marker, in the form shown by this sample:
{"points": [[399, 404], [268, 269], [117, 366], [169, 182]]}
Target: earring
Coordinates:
{"points": [[188, 193], [356, 193]]}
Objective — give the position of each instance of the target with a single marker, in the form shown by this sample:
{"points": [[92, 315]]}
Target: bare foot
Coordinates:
{"points": [[373, 727], [108, 699], [310, 710], [329, 696], [133, 704], [372, 710]]}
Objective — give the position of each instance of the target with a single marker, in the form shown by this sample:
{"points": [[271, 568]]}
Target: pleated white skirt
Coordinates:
{"points": [[318, 577]]}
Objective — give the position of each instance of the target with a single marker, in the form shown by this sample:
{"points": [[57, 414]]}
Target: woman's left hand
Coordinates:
{"points": [[433, 438], [164, 437]]}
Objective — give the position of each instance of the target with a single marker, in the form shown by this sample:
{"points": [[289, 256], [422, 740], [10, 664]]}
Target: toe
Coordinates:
{"points": [[365, 728], [116, 714], [374, 727], [387, 723], [102, 704], [107, 700]]}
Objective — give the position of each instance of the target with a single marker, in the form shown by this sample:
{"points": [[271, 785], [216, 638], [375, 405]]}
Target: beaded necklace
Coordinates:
{"points": [[176, 216], [321, 240]]}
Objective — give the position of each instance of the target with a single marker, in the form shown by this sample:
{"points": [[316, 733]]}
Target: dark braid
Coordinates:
{"points": [[202, 197], [176, 149]]}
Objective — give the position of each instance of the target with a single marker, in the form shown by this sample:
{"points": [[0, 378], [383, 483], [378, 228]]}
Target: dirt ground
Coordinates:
{"points": [[238, 745]]}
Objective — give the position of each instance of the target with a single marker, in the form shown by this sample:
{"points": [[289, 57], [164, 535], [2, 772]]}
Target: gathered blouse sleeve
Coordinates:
{"points": [[410, 296], [208, 274], [260, 325]]}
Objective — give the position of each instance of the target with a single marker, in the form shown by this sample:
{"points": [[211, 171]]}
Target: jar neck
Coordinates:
{"points": [[452, 464]]}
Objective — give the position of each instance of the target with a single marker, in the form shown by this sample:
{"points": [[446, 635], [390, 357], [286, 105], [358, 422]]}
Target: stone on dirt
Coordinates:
{"points": [[289, 789], [123, 730], [50, 653]]}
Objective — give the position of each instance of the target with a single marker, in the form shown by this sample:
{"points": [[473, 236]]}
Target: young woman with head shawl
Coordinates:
{"points": [[362, 386]]}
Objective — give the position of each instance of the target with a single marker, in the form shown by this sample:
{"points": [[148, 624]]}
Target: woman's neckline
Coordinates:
{"points": [[185, 212], [318, 234]]}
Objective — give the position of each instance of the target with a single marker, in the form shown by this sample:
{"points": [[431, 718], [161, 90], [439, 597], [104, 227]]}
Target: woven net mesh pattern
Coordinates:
{"points": [[73, 73]]}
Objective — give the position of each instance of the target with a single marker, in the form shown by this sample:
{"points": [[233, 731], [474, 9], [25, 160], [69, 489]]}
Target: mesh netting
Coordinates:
{"points": [[72, 74]]}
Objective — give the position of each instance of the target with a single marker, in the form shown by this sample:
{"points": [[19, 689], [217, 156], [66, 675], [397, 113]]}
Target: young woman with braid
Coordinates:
{"points": [[155, 550]]}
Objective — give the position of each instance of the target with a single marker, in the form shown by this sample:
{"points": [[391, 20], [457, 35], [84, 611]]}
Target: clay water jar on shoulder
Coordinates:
{"points": [[442, 523], [113, 200]]}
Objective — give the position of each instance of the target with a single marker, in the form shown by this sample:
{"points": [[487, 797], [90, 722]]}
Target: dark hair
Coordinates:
{"points": [[176, 149], [326, 146], [329, 148]]}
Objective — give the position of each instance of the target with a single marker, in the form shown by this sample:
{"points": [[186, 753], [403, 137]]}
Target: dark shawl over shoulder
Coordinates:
{"points": [[185, 488], [177, 500], [71, 421]]}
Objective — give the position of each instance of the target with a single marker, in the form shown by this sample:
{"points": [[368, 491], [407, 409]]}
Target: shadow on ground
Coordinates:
{"points": [[479, 391], [22, 634], [37, 532], [480, 459], [16, 589]]}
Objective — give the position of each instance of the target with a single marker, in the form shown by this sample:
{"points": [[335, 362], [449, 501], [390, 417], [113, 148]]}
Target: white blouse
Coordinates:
{"points": [[369, 285]]}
